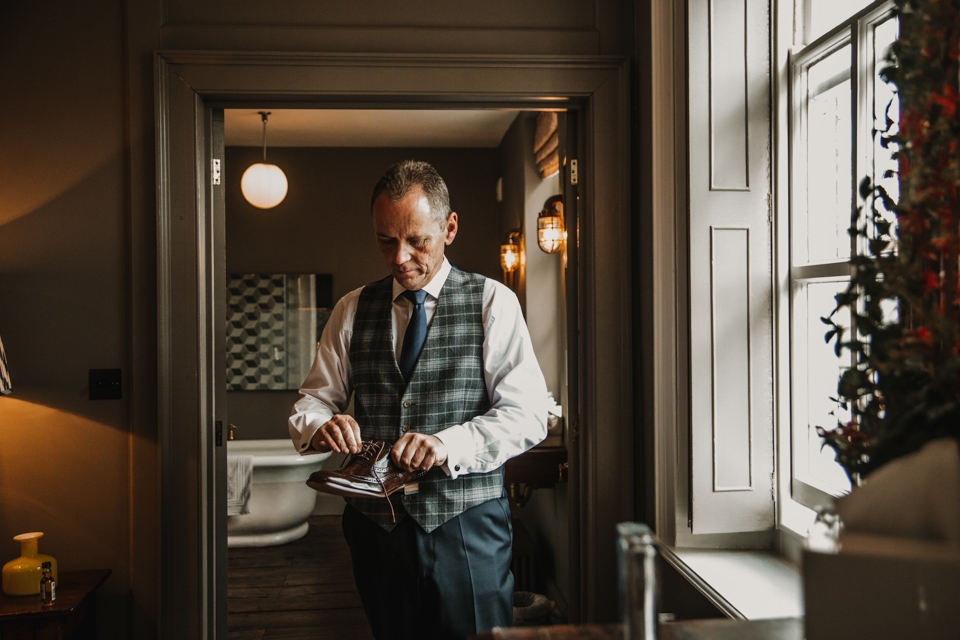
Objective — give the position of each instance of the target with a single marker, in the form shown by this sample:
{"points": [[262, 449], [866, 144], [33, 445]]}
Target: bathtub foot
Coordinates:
{"points": [[271, 539]]}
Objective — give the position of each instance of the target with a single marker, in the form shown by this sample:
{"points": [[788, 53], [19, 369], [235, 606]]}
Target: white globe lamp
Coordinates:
{"points": [[264, 185]]}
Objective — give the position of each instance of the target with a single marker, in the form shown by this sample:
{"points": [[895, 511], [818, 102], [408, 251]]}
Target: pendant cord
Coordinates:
{"points": [[264, 115]]}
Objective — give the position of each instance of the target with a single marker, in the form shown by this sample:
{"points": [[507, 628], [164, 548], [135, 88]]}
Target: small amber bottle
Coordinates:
{"points": [[48, 586]]}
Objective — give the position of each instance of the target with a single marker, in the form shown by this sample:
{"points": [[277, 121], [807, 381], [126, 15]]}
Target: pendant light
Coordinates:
{"points": [[264, 185]]}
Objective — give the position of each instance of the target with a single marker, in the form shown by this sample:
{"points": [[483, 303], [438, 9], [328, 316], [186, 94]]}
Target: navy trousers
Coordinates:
{"points": [[448, 584]]}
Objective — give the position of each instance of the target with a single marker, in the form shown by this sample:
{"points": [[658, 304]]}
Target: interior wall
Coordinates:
{"points": [[324, 223], [547, 512], [324, 226], [534, 27], [78, 239], [544, 290], [65, 291], [514, 193], [545, 516]]}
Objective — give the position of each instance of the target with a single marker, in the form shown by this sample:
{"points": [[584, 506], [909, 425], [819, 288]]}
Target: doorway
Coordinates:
{"points": [[321, 231], [189, 86]]}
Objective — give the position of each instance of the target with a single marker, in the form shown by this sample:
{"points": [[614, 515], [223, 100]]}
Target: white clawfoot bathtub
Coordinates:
{"points": [[280, 501]]}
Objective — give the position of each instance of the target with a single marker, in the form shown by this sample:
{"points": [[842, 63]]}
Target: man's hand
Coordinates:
{"points": [[418, 452], [340, 434]]}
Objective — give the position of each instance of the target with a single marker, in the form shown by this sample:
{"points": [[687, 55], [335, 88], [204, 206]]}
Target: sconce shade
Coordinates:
{"points": [[5, 386], [509, 256], [264, 185], [550, 232]]}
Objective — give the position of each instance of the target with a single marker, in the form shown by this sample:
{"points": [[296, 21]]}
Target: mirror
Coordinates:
{"points": [[274, 321]]}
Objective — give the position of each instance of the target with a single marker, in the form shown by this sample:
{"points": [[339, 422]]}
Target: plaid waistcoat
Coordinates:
{"points": [[446, 388]]}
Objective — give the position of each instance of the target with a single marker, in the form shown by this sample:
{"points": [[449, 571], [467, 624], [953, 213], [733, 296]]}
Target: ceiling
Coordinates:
{"points": [[368, 127]]}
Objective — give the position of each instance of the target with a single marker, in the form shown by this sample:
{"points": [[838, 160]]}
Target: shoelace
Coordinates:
{"points": [[370, 451]]}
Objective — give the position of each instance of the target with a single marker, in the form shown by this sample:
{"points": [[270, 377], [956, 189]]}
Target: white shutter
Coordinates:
{"points": [[731, 299]]}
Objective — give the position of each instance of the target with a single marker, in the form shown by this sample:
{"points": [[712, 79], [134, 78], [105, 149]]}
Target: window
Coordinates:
{"points": [[837, 101], [761, 256]]}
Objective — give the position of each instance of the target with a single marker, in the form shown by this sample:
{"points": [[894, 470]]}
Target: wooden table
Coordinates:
{"points": [[73, 615], [712, 629]]}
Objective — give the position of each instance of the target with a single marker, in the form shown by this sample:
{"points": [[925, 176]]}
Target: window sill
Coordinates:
{"points": [[746, 585]]}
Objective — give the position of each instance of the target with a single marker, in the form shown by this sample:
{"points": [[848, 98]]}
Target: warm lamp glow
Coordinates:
{"points": [[509, 256], [5, 386], [264, 185], [550, 232]]}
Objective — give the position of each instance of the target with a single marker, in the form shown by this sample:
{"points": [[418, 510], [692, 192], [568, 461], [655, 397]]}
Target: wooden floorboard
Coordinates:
{"points": [[303, 589]]}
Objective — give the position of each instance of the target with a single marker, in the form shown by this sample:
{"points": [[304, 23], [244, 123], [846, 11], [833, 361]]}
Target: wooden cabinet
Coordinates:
{"points": [[538, 467], [72, 617]]}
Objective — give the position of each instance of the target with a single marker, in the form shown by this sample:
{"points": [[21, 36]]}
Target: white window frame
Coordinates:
{"points": [[799, 495], [670, 322]]}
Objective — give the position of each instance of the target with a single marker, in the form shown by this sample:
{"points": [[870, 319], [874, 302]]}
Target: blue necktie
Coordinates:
{"points": [[416, 333]]}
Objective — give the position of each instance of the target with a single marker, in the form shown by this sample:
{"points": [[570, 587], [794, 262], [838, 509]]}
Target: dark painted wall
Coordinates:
{"points": [[78, 242], [323, 226]]}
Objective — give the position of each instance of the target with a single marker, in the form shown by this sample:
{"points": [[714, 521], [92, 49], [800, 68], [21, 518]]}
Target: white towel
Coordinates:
{"points": [[239, 473]]}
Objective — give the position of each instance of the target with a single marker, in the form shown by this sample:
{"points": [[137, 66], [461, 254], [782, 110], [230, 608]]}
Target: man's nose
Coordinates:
{"points": [[401, 254]]}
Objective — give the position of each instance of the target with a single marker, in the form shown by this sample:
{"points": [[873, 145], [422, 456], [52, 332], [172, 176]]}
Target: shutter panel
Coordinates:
{"points": [[731, 299]]}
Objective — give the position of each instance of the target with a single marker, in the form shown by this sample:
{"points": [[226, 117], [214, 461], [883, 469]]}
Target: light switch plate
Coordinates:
{"points": [[105, 384]]}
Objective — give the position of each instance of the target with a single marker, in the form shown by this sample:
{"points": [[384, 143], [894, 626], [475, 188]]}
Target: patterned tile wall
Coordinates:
{"points": [[273, 324]]}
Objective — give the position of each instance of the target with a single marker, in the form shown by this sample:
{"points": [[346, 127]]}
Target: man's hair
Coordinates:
{"points": [[403, 177]]}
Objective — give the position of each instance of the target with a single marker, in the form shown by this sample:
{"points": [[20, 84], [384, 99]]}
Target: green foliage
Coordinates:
{"points": [[904, 387]]}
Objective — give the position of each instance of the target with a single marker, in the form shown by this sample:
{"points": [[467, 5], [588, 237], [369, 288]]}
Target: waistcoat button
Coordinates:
{"points": [[405, 428], [406, 403]]}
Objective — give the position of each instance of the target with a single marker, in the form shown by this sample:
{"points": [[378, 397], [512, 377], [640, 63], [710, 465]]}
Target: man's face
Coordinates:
{"points": [[410, 238]]}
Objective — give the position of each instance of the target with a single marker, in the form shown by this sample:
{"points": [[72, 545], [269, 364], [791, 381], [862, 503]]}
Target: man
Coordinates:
{"points": [[435, 563]]}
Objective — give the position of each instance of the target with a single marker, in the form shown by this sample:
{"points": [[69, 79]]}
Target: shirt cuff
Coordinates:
{"points": [[307, 432], [459, 444]]}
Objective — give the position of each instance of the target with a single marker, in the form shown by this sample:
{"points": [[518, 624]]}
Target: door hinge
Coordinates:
{"points": [[216, 171], [773, 486], [218, 433], [574, 173]]}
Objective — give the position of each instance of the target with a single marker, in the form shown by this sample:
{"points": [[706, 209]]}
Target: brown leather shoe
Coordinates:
{"points": [[368, 474]]}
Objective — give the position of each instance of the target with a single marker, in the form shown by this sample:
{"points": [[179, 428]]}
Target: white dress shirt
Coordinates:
{"points": [[517, 418]]}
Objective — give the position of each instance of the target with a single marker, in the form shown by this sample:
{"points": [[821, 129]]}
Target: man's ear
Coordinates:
{"points": [[452, 226]]}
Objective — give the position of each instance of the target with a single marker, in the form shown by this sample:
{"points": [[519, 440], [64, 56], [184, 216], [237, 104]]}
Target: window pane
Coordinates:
{"points": [[816, 374], [819, 16], [828, 158], [886, 108]]}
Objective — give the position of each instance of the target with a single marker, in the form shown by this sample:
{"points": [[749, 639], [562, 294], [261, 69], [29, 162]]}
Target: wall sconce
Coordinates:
{"points": [[550, 231], [5, 386], [510, 257], [510, 253], [264, 185]]}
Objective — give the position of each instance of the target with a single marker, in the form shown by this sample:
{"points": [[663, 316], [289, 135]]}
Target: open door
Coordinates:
{"points": [[570, 190], [218, 369]]}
